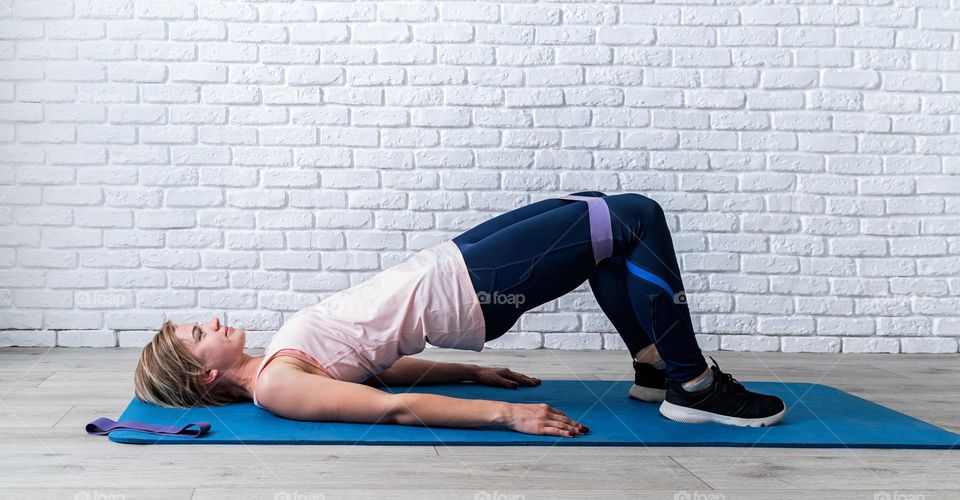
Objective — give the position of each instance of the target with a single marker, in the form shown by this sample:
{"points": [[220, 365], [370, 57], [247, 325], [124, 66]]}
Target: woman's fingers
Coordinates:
{"points": [[532, 380], [554, 415], [555, 431], [541, 418], [562, 430], [525, 378], [519, 377], [567, 421], [556, 411]]}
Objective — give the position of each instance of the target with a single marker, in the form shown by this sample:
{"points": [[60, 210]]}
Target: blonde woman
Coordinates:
{"points": [[327, 360]]}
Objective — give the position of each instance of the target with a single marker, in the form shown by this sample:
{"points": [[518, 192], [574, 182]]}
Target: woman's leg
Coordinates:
{"points": [[530, 260], [650, 274], [528, 242], [490, 267], [609, 285], [490, 226]]}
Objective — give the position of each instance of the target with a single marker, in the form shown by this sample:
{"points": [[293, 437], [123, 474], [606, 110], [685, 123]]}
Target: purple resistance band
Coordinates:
{"points": [[601, 232], [103, 426]]}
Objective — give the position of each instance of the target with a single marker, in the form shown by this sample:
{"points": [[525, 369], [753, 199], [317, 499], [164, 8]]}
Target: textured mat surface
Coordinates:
{"points": [[818, 416]]}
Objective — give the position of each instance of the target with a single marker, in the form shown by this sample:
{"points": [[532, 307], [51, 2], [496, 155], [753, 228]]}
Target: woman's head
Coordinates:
{"points": [[187, 365]]}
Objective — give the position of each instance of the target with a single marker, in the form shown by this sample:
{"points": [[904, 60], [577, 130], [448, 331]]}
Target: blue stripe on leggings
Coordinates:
{"points": [[647, 275]]}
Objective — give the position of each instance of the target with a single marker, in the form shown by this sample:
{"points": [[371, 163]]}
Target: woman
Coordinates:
{"points": [[325, 361]]}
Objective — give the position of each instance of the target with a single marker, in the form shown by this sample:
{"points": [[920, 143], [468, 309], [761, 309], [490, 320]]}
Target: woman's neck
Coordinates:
{"points": [[242, 377]]}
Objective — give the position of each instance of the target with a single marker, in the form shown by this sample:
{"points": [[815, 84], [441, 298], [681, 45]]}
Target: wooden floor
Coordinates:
{"points": [[48, 394]]}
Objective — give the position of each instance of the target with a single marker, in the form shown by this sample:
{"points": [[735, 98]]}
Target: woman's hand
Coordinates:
{"points": [[502, 377], [541, 418]]}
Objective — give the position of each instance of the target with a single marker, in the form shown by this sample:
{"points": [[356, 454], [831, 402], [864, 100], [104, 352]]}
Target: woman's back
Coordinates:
{"points": [[361, 331]]}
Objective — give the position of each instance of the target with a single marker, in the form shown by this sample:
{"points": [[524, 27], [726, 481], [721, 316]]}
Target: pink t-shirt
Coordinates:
{"points": [[361, 331]]}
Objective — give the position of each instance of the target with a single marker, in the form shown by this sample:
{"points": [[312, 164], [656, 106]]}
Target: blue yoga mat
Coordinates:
{"points": [[818, 416]]}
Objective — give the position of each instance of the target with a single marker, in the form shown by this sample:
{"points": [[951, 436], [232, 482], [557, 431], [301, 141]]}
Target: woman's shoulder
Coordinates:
{"points": [[286, 362], [281, 370]]}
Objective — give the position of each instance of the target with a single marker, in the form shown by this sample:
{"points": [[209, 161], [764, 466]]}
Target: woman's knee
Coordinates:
{"points": [[640, 207], [599, 194]]}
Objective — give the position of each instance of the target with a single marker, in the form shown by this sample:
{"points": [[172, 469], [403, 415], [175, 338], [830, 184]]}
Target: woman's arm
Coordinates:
{"points": [[413, 371], [295, 394]]}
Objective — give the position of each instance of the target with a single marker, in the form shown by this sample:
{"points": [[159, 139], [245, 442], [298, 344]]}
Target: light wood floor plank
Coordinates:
{"points": [[891, 472], [101, 493]]}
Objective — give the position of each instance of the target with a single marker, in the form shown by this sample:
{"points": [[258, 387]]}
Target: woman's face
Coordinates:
{"points": [[219, 347]]}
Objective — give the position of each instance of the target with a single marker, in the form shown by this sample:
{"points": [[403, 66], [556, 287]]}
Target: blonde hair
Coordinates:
{"points": [[169, 375]]}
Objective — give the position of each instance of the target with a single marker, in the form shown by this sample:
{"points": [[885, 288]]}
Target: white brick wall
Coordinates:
{"points": [[177, 159]]}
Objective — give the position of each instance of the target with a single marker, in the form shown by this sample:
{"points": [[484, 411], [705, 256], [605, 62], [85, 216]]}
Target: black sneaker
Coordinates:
{"points": [[726, 401], [649, 383]]}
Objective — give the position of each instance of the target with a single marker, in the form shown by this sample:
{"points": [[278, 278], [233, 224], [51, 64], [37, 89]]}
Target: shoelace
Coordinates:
{"points": [[727, 379]]}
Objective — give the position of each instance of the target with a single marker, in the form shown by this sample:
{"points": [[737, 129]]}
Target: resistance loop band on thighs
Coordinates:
{"points": [[103, 426], [601, 232]]}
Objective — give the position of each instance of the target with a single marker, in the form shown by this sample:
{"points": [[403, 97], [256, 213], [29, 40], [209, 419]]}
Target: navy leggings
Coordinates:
{"points": [[533, 254]]}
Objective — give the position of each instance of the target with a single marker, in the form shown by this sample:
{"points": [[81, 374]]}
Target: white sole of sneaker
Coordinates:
{"points": [[694, 416], [648, 394]]}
